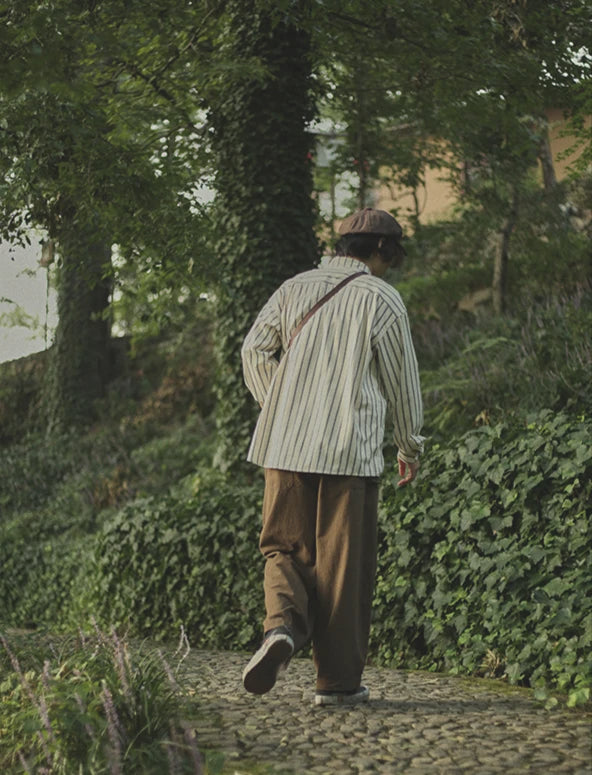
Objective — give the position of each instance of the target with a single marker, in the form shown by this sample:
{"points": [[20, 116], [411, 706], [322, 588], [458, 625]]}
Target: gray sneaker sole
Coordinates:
{"points": [[362, 695], [261, 673]]}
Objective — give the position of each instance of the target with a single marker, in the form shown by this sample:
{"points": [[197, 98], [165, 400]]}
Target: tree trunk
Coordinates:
{"points": [[500, 265], [80, 356], [360, 117], [265, 212], [546, 160]]}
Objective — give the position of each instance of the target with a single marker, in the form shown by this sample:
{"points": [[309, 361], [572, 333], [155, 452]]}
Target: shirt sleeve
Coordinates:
{"points": [[400, 376], [260, 348]]}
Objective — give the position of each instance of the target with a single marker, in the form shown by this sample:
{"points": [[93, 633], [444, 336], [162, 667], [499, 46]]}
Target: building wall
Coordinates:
{"points": [[24, 294], [437, 197], [560, 144]]}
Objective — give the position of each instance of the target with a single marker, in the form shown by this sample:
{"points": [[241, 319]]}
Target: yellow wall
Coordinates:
{"points": [[437, 197], [560, 144]]}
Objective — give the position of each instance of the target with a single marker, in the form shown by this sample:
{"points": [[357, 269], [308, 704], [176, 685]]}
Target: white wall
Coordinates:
{"points": [[24, 283]]}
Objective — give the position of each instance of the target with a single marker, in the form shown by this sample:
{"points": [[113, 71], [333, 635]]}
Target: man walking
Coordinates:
{"points": [[348, 359]]}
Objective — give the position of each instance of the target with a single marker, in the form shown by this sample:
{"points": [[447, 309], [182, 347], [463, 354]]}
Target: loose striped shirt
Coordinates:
{"points": [[325, 401]]}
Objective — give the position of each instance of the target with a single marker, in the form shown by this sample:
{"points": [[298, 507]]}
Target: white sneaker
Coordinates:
{"points": [[342, 698], [261, 673]]}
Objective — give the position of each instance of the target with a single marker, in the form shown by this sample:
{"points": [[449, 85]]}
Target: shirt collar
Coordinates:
{"points": [[344, 262]]}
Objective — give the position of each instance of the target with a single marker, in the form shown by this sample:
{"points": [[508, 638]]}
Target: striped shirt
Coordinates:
{"points": [[325, 402]]}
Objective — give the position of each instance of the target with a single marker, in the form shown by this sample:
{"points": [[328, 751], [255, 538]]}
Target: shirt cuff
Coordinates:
{"points": [[407, 458]]}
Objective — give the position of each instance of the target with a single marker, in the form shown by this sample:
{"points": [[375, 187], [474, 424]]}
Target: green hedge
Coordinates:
{"points": [[41, 575], [191, 561], [485, 564], [21, 383]]}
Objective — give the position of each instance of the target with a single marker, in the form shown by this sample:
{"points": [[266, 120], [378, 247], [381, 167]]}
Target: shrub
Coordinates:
{"points": [[42, 573], [59, 472], [90, 704], [21, 384], [31, 470], [57, 491], [164, 378], [539, 359], [163, 562], [167, 459], [52, 495], [487, 560]]}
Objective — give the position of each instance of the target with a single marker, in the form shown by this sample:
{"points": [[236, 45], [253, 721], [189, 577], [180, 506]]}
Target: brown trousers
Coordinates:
{"points": [[319, 542]]}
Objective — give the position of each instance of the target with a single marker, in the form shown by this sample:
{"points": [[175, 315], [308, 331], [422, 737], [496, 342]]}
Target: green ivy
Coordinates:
{"points": [[264, 210], [193, 561], [20, 393], [43, 566], [485, 565]]}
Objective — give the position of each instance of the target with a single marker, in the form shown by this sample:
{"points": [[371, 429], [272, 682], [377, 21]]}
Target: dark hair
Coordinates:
{"points": [[364, 245]]}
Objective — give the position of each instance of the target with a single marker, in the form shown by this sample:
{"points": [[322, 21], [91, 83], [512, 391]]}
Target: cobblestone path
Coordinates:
{"points": [[416, 723]]}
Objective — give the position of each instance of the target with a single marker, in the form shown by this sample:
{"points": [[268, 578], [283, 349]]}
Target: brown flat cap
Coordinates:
{"points": [[370, 221]]}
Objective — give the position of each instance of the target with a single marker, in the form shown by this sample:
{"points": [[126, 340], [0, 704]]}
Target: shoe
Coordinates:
{"points": [[362, 694], [261, 673]]}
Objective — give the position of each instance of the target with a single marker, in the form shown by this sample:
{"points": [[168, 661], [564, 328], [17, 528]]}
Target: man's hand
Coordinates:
{"points": [[408, 471]]}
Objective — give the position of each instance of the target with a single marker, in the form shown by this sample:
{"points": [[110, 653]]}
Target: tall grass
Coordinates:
{"points": [[92, 704], [539, 357]]}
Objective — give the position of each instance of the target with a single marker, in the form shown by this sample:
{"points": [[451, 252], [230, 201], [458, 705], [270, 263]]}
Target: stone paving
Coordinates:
{"points": [[417, 723]]}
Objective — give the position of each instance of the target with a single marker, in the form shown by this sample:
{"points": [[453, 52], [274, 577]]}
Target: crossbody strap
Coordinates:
{"points": [[320, 303]]}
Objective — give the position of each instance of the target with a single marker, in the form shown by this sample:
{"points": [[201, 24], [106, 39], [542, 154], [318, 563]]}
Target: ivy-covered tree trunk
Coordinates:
{"points": [[501, 257], [546, 159], [265, 213], [80, 357]]}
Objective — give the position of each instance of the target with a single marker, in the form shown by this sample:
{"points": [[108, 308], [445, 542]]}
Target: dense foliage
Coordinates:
{"points": [[55, 491], [99, 145], [476, 366], [20, 396], [541, 358], [485, 565], [488, 557], [184, 560]]}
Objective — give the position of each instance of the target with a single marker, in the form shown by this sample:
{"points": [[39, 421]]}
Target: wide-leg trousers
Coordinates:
{"points": [[319, 543]]}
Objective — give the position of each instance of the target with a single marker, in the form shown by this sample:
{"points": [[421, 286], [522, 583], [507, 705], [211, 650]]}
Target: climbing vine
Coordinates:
{"points": [[491, 544], [265, 214]]}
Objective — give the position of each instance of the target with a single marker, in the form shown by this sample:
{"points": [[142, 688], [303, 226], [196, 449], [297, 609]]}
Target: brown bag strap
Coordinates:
{"points": [[320, 303]]}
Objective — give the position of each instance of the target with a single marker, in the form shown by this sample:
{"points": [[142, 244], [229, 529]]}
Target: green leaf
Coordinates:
{"points": [[556, 587], [578, 697]]}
